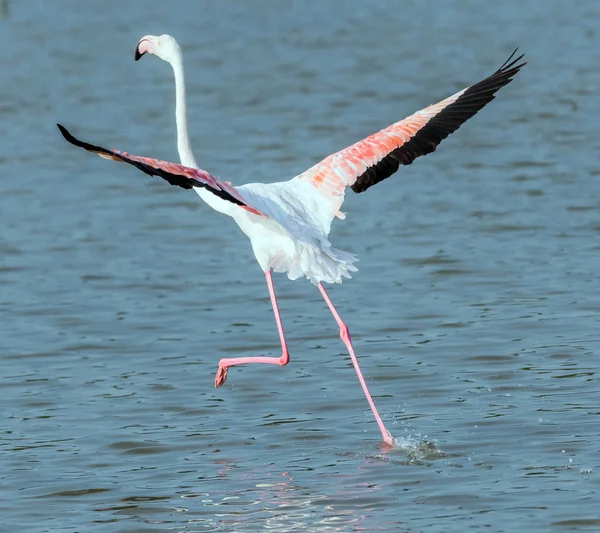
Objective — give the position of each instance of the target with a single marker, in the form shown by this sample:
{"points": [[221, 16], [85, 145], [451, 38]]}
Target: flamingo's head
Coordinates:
{"points": [[163, 46]]}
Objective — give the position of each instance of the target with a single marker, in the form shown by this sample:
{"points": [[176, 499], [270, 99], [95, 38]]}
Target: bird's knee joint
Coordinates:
{"points": [[344, 332]]}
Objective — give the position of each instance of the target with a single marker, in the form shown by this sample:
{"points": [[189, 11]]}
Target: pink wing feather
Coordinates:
{"points": [[175, 174], [380, 155]]}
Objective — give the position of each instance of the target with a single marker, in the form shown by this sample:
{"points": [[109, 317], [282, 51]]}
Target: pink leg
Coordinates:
{"points": [[224, 364], [345, 336]]}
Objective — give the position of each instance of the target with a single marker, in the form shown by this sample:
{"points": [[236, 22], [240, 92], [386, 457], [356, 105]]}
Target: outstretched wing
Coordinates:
{"points": [[380, 155], [175, 174]]}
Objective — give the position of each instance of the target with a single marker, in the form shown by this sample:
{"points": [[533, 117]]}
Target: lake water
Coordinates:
{"points": [[475, 313]]}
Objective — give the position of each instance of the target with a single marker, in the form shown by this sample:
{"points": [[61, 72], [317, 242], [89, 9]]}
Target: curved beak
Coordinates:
{"points": [[143, 47]]}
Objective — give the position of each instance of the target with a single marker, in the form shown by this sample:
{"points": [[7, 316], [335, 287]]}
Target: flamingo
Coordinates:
{"points": [[288, 222]]}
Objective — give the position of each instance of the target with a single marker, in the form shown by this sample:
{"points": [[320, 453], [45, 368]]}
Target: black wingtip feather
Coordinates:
{"points": [[447, 121], [179, 180], [508, 65], [80, 144], [173, 179], [65, 133]]}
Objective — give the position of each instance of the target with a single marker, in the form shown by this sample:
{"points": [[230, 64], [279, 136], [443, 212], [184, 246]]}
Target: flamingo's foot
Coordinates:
{"points": [[221, 375], [389, 440]]}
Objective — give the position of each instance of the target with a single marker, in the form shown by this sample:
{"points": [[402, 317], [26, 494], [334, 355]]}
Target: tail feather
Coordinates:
{"points": [[326, 264]]}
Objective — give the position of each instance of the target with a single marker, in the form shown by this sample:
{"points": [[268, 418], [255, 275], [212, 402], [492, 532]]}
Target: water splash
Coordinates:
{"points": [[419, 448], [406, 451]]}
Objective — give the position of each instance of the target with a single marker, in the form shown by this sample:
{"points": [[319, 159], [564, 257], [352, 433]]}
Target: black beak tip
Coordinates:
{"points": [[137, 54]]}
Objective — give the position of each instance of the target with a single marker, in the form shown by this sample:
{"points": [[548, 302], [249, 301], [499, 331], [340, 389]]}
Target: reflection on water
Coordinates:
{"points": [[474, 314]]}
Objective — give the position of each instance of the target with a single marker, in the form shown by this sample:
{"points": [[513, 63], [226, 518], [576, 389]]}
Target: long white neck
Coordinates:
{"points": [[184, 146]]}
